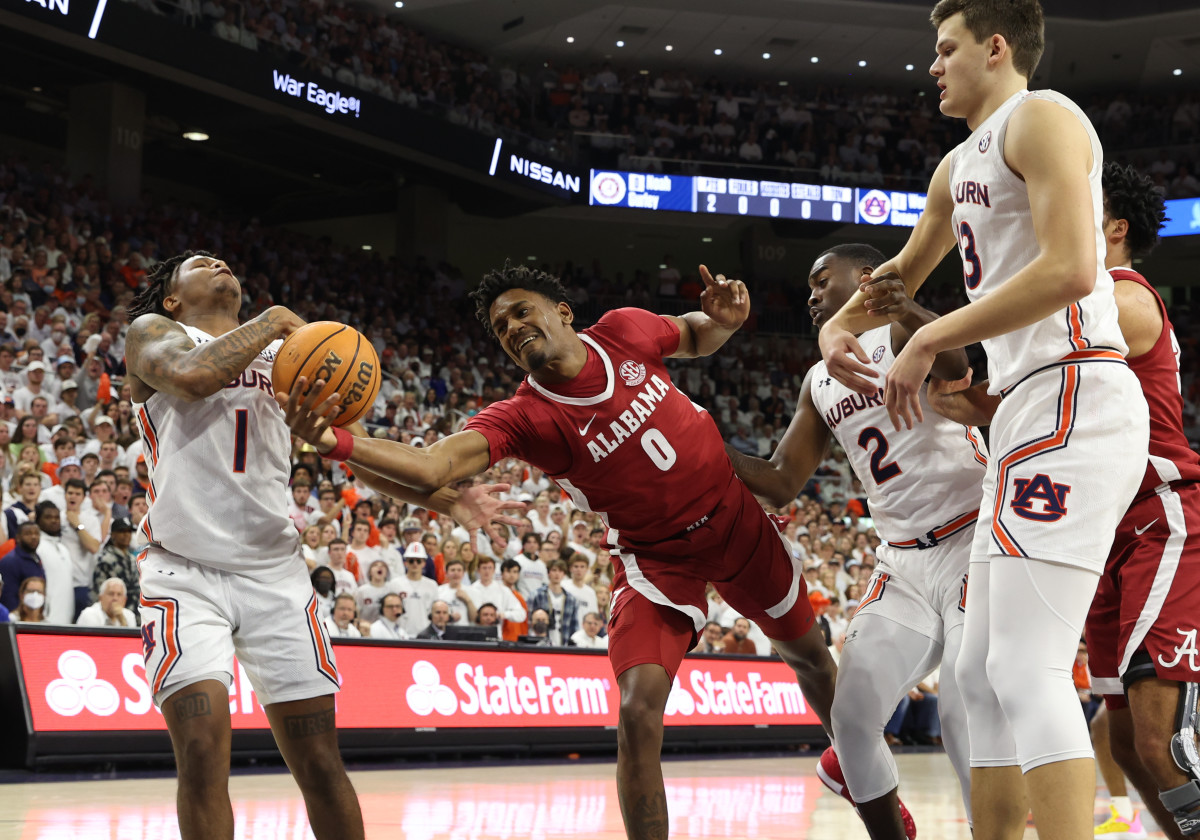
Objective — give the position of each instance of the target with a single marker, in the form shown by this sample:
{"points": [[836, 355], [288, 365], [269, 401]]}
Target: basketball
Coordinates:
{"points": [[336, 353]]}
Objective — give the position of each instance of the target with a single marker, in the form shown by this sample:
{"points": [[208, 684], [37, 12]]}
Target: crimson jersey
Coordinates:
{"points": [[619, 438], [1171, 458]]}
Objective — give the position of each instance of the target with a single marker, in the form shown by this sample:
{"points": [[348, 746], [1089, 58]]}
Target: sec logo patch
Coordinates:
{"points": [[985, 142], [878, 354], [634, 373]]}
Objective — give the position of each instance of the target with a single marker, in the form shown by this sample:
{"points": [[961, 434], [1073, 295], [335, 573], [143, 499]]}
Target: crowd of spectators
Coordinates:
{"points": [[610, 115]]}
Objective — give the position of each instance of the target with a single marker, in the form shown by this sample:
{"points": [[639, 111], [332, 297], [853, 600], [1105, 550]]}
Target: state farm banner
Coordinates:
{"points": [[87, 683]]}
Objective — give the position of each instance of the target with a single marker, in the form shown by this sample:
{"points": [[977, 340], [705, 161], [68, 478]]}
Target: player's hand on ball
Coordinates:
{"points": [[284, 319], [480, 505], [310, 422], [725, 301], [887, 296]]}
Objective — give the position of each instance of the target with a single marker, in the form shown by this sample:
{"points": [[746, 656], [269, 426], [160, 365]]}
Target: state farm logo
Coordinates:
{"points": [[427, 694], [78, 687], [731, 695], [477, 692]]}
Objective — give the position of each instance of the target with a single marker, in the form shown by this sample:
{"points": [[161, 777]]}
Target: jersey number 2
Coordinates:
{"points": [[241, 429], [880, 471]]}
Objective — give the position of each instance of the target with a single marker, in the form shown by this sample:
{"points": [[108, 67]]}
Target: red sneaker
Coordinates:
{"points": [[829, 771]]}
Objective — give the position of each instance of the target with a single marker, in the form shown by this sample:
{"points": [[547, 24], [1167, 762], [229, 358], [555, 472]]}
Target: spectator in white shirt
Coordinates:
{"points": [[301, 507], [582, 591], [588, 635], [390, 624], [488, 590], [344, 580], [110, 610], [341, 620], [418, 591], [454, 593]]}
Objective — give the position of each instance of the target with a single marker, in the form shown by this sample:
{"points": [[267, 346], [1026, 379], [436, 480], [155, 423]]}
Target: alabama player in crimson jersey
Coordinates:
{"points": [[1142, 627], [599, 414]]}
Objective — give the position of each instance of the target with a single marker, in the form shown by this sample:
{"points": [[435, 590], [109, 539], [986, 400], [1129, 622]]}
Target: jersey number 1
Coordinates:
{"points": [[241, 429], [880, 471]]}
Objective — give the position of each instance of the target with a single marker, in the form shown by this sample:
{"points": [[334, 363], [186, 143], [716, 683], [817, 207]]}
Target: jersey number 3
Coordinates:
{"points": [[880, 471], [972, 267]]}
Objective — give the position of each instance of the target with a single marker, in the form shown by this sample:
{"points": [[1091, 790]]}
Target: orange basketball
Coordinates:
{"points": [[338, 354]]}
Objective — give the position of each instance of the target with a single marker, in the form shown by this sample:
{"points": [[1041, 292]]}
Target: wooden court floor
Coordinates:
{"points": [[754, 798]]}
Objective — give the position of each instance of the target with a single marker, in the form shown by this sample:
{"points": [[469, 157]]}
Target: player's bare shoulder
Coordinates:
{"points": [[151, 344]]}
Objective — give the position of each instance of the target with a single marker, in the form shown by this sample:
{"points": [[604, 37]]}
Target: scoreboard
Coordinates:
{"points": [[774, 199]]}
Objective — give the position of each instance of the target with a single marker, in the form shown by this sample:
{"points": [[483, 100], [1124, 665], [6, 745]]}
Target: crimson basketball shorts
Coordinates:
{"points": [[195, 619], [659, 604], [1146, 597]]}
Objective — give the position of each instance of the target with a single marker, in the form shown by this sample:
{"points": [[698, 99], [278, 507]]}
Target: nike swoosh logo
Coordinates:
{"points": [[1140, 531], [583, 431]]}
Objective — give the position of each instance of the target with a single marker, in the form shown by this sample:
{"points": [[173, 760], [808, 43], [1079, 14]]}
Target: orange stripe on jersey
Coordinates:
{"points": [[146, 528], [1090, 355], [1075, 320], [151, 436], [940, 533], [170, 637], [150, 494], [880, 584], [1066, 419], [975, 445], [324, 665]]}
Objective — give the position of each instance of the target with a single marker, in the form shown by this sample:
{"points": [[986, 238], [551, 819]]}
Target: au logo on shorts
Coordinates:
{"points": [[1028, 493]]}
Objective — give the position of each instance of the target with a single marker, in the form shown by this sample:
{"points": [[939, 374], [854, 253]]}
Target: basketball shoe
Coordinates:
{"points": [[829, 771], [1117, 827]]}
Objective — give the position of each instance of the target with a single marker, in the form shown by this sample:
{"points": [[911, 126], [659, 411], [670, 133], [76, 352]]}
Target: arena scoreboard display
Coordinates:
{"points": [[774, 199]]}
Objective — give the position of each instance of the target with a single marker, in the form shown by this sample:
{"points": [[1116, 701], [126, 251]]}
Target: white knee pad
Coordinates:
{"points": [[991, 740], [1036, 620], [877, 668]]}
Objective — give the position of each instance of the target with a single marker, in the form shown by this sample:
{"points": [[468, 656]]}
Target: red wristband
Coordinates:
{"points": [[345, 445]]}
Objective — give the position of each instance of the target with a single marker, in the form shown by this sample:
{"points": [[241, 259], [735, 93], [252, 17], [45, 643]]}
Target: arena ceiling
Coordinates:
{"points": [[1092, 44]]}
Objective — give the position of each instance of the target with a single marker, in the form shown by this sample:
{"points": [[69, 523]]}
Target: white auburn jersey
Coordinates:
{"points": [[917, 480], [219, 472], [996, 239]]}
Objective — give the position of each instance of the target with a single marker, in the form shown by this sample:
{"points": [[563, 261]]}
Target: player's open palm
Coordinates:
{"points": [[480, 505], [725, 301], [309, 421]]}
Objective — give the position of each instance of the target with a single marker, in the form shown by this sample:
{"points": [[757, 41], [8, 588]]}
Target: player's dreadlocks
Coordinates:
{"points": [[1131, 196], [158, 285], [496, 283]]}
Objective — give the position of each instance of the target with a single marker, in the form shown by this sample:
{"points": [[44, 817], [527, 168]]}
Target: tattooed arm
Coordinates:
{"points": [[161, 357]]}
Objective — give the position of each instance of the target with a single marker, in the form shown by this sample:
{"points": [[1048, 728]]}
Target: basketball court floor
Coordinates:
{"points": [[750, 798]]}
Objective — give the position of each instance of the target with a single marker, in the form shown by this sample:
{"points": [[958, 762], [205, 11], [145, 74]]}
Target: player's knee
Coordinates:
{"points": [[317, 770], [202, 757], [641, 720]]}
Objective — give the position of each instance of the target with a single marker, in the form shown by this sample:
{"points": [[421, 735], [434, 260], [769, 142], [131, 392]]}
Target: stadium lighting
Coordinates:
{"points": [[706, 239], [570, 39], [717, 51], [195, 136], [366, 247], [908, 67], [669, 48], [620, 43], [814, 59], [862, 64], [1178, 71], [399, 4], [766, 56]]}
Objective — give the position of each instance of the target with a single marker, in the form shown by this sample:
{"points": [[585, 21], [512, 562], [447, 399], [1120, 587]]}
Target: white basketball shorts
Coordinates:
{"points": [[196, 618]]}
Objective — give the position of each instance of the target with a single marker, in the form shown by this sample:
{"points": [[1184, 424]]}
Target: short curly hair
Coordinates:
{"points": [[499, 281], [1131, 196]]}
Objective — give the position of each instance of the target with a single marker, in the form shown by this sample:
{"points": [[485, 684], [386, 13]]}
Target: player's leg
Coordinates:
{"points": [[953, 714], [647, 643], [1162, 712], [286, 652], [188, 650], [880, 662], [197, 717], [1037, 616], [1120, 733], [306, 733], [998, 798]]}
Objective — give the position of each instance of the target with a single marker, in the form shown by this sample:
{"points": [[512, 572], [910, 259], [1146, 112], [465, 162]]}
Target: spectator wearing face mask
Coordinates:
{"points": [[31, 602]]}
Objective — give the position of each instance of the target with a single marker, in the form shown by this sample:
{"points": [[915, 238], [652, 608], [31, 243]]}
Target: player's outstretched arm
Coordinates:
{"points": [[159, 353], [931, 239], [724, 307], [963, 402], [472, 508], [458, 456], [803, 446], [887, 296]]}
